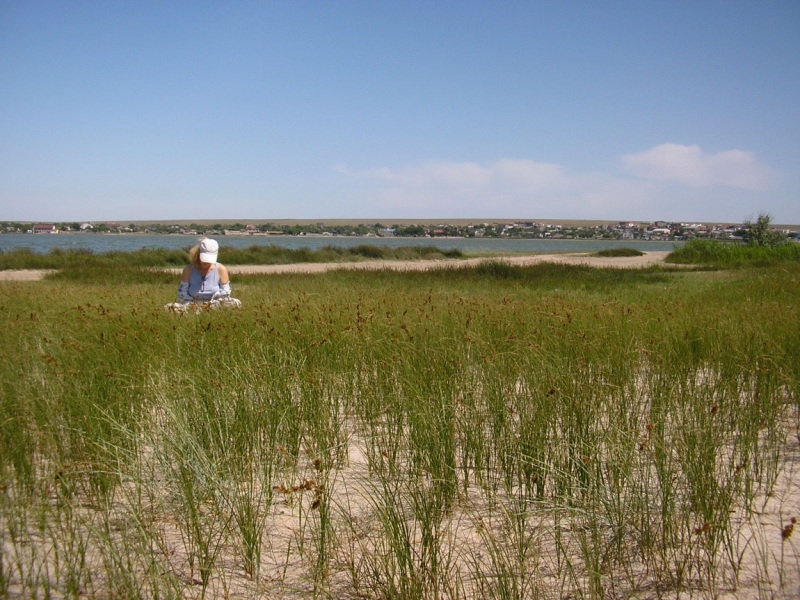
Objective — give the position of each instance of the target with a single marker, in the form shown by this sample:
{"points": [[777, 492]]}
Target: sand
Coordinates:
{"points": [[648, 259], [24, 274]]}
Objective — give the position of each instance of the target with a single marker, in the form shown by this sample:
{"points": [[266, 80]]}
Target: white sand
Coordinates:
{"points": [[648, 259], [24, 274]]}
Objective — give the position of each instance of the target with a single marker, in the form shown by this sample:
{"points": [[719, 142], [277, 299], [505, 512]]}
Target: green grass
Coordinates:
{"points": [[731, 254], [543, 276], [118, 275], [253, 255], [499, 432], [57, 258], [619, 252]]}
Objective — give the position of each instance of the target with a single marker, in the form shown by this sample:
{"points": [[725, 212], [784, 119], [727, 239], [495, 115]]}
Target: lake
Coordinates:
{"points": [[127, 242]]}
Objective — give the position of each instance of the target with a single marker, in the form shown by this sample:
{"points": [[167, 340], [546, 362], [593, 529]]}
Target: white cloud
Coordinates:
{"points": [[689, 165], [670, 182], [501, 176], [503, 187]]}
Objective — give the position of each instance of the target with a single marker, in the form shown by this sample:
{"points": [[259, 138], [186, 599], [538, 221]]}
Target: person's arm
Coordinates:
{"points": [[183, 287], [224, 278], [224, 282]]}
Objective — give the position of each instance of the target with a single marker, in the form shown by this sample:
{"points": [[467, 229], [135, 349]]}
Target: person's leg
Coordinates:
{"points": [[180, 307], [231, 303]]}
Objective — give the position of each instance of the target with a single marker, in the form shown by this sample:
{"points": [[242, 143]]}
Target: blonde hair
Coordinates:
{"points": [[194, 255]]}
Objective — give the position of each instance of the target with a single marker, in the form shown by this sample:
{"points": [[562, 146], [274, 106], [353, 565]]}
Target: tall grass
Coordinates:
{"points": [[57, 258], [617, 252], [711, 252], [541, 432]]}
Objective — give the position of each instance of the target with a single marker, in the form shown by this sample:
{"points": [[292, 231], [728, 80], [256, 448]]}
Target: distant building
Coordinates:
{"points": [[45, 228]]}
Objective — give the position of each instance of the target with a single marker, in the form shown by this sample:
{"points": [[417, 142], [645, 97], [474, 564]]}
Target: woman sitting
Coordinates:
{"points": [[205, 282]]}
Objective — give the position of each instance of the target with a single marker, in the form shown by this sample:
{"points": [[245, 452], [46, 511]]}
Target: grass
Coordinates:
{"points": [[728, 254], [619, 252], [58, 258], [499, 432]]}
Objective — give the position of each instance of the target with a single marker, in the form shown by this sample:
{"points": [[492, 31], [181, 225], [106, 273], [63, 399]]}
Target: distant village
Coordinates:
{"points": [[657, 230]]}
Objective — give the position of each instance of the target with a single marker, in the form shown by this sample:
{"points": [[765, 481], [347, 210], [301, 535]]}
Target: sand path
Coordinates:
{"points": [[24, 274], [632, 262], [648, 259]]}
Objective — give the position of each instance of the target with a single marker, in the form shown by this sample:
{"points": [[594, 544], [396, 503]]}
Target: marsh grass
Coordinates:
{"points": [[58, 258], [83, 259], [121, 275], [730, 254], [619, 252], [536, 432]]}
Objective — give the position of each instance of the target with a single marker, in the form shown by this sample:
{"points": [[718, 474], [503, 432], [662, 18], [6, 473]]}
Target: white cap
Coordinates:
{"points": [[208, 250]]}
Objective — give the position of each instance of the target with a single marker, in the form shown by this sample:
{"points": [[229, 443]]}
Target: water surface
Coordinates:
{"points": [[106, 242]]}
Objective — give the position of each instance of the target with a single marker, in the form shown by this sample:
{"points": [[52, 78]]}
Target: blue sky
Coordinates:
{"points": [[268, 110]]}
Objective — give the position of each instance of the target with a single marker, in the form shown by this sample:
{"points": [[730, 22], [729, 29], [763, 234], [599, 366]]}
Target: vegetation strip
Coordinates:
{"points": [[123, 273], [703, 252], [58, 258]]}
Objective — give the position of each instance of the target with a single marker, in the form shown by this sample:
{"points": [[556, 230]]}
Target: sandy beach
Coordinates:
{"points": [[24, 274], [648, 259]]}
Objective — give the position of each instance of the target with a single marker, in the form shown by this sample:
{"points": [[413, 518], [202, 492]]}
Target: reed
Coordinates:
{"points": [[617, 252], [500, 432], [81, 259], [727, 254]]}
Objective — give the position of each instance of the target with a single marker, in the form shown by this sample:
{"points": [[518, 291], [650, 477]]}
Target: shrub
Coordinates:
{"points": [[759, 233], [619, 252], [368, 251]]}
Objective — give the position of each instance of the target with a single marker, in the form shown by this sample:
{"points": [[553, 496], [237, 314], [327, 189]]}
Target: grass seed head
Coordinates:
{"points": [[787, 531]]}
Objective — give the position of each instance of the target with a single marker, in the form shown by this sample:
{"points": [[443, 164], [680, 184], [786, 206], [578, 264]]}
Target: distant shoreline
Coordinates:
{"points": [[389, 222]]}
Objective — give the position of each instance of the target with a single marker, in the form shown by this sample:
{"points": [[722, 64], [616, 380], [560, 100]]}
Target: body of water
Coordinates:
{"points": [[104, 243]]}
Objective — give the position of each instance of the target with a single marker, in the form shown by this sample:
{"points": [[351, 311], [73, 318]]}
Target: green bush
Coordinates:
{"points": [[619, 252], [368, 251], [759, 232]]}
